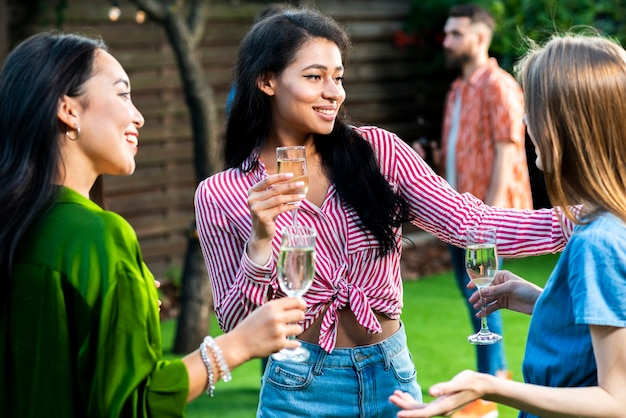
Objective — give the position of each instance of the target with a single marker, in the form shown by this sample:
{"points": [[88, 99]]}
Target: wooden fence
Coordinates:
{"points": [[158, 199]]}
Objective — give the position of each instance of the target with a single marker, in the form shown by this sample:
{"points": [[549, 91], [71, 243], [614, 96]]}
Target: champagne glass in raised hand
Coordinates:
{"points": [[296, 269], [481, 263], [293, 160]]}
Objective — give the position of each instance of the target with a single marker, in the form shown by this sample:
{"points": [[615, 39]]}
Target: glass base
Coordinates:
{"points": [[297, 355], [484, 338]]}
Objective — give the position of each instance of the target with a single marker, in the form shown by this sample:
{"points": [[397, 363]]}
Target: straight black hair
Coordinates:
{"points": [[36, 75]]}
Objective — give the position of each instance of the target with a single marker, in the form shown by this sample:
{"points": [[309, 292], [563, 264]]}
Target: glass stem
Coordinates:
{"points": [[484, 329]]}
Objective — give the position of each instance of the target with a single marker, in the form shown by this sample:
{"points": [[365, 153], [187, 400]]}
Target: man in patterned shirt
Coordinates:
{"points": [[483, 150]]}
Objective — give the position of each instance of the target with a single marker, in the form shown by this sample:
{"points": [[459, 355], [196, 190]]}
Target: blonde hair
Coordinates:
{"points": [[575, 99]]}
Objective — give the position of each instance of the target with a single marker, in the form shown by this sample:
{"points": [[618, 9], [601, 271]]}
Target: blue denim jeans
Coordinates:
{"points": [[349, 382], [489, 358]]}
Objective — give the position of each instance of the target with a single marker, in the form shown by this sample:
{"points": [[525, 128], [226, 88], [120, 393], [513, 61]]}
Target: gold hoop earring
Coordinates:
{"points": [[67, 133]]}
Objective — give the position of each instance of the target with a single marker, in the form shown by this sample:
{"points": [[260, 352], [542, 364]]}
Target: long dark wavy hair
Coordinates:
{"points": [[36, 75], [269, 47]]}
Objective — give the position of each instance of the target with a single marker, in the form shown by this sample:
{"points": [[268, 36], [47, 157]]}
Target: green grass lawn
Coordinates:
{"points": [[437, 327]]}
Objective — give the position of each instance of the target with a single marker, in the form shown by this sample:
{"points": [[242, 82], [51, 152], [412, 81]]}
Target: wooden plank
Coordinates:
{"points": [[381, 50], [175, 225], [146, 177], [151, 202], [359, 92], [362, 31], [373, 10], [174, 246]]}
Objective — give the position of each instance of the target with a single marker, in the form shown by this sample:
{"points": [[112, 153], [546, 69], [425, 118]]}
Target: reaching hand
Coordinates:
{"points": [[266, 329], [508, 291], [263, 332], [462, 389]]}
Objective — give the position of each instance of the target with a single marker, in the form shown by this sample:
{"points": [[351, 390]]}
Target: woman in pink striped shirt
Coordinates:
{"points": [[363, 184]]}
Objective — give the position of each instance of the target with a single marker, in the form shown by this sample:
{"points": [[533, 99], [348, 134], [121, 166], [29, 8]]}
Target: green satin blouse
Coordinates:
{"points": [[80, 333]]}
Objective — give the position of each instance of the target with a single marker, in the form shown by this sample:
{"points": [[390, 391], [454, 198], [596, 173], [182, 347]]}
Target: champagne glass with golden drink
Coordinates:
{"points": [[481, 263], [293, 160]]}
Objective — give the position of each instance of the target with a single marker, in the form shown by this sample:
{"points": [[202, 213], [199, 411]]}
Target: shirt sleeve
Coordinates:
{"points": [[239, 285], [597, 274], [129, 376], [440, 210]]}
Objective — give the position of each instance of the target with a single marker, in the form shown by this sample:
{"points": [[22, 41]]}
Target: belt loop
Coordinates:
{"points": [[391, 346], [319, 363], [385, 353]]}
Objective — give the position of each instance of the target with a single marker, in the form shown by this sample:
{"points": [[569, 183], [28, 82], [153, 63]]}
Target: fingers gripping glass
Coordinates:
{"points": [[481, 263], [296, 269]]}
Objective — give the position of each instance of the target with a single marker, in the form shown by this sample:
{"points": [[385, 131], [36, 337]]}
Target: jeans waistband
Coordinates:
{"points": [[358, 357]]}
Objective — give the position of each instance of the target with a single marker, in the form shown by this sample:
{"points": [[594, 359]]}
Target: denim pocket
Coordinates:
{"points": [[403, 367], [288, 375]]}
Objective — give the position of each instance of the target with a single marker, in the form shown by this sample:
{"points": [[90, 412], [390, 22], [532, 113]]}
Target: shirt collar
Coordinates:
{"points": [[67, 195]]}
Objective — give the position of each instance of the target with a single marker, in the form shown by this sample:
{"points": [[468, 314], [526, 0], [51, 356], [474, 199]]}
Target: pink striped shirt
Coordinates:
{"points": [[348, 271]]}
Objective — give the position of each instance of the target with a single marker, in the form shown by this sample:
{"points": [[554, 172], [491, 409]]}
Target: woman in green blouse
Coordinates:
{"points": [[79, 320]]}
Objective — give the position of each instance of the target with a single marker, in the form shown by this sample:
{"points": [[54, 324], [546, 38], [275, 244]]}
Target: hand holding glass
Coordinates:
{"points": [[481, 263], [296, 269]]}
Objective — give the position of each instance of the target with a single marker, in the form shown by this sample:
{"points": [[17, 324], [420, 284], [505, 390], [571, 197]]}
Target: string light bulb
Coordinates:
{"points": [[140, 16], [115, 12]]}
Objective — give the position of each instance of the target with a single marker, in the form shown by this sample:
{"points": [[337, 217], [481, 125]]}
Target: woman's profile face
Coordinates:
{"points": [[109, 122], [308, 93]]}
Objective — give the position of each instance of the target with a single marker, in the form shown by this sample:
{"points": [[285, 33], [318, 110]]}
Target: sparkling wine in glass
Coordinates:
{"points": [[296, 269], [481, 263], [293, 160]]}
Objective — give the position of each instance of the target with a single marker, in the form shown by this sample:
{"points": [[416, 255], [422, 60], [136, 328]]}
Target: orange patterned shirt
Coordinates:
{"points": [[492, 107]]}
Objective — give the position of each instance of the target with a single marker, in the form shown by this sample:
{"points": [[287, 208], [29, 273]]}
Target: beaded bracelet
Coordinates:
{"points": [[210, 389], [210, 342]]}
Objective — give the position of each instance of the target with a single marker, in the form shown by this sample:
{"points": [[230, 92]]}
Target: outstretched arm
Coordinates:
{"points": [[440, 210]]}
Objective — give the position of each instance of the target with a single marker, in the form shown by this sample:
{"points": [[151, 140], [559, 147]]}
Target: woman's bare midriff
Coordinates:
{"points": [[349, 332]]}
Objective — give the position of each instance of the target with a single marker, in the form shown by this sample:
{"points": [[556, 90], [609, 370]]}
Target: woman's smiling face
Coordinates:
{"points": [[109, 121], [307, 95]]}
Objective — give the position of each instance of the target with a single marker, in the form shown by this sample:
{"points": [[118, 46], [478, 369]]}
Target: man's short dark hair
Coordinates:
{"points": [[474, 12]]}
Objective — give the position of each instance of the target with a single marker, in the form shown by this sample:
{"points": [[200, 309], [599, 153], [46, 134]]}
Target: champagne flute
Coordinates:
{"points": [[481, 263], [293, 160], [296, 269]]}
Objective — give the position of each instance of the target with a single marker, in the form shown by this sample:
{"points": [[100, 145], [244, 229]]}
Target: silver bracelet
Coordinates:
{"points": [[210, 342], [210, 389]]}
